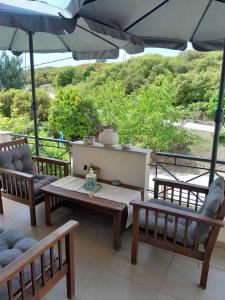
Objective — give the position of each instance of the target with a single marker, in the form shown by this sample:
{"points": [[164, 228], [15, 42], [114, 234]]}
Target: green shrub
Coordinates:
{"points": [[72, 115]]}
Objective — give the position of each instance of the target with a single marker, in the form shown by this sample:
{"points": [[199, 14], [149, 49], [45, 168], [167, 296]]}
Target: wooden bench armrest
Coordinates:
{"points": [[16, 173], [51, 166], [181, 185], [50, 160], [177, 213]]}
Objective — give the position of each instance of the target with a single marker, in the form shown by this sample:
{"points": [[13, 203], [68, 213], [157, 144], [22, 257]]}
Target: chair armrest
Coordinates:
{"points": [[27, 259], [17, 184], [51, 166], [16, 173], [180, 184], [177, 213]]}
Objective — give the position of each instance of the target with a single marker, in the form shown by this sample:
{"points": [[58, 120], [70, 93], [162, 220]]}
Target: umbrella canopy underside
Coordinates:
{"points": [[164, 23]]}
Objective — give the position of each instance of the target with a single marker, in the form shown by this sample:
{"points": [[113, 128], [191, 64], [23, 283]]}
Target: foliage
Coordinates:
{"points": [[6, 100], [11, 72], [212, 106], [72, 115], [151, 120], [16, 102], [146, 98]]}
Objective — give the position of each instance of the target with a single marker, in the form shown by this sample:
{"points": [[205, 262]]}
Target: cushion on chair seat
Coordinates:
{"points": [[170, 221], [41, 181], [12, 245]]}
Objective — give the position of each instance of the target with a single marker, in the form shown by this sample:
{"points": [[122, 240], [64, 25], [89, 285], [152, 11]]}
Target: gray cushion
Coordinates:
{"points": [[210, 207], [22, 159], [12, 245], [6, 160], [18, 159], [41, 181], [170, 222]]}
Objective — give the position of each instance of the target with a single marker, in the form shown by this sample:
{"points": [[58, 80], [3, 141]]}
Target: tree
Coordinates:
{"points": [[73, 115], [22, 104], [11, 72], [6, 101]]}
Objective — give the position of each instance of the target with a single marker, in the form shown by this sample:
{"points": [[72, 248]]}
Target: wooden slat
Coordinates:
{"points": [[10, 290], [175, 230], [186, 233], [156, 225], [165, 227], [52, 261], [22, 285], [60, 254], [33, 278], [146, 221], [43, 269]]}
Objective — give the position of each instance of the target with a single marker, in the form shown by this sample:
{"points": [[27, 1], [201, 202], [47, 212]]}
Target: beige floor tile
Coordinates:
{"points": [[109, 286], [11, 207], [162, 296], [183, 278], [151, 268], [86, 274], [218, 258]]}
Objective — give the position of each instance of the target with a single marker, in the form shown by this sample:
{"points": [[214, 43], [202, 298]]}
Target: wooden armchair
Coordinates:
{"points": [[184, 195], [31, 276], [21, 186]]}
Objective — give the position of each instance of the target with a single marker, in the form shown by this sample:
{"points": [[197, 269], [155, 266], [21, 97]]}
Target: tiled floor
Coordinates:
{"points": [[104, 274]]}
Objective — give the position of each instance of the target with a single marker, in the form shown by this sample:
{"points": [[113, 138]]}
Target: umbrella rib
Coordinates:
{"points": [[13, 38], [200, 21], [89, 1], [62, 41], [146, 15], [81, 27]]}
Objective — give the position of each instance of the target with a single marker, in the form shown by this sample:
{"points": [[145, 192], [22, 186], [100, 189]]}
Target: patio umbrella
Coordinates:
{"points": [[168, 24], [33, 26]]}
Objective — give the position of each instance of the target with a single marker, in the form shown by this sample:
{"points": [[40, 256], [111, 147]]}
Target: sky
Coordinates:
{"points": [[47, 59]]}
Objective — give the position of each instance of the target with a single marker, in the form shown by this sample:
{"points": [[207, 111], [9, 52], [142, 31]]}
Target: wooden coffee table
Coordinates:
{"points": [[55, 196]]}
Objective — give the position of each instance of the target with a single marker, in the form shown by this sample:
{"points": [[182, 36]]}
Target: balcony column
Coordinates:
{"points": [[219, 119], [34, 101]]}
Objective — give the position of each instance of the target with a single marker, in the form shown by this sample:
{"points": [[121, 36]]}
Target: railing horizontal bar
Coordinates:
{"points": [[187, 157], [184, 166], [40, 138]]}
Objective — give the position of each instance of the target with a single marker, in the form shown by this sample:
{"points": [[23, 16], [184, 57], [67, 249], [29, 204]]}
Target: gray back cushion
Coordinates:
{"points": [[210, 208], [18, 159], [214, 199]]}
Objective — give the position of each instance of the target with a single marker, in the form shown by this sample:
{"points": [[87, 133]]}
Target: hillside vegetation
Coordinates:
{"points": [[145, 98]]}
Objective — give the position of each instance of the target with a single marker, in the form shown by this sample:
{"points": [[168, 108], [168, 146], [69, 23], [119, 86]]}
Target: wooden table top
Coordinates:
{"points": [[76, 197]]}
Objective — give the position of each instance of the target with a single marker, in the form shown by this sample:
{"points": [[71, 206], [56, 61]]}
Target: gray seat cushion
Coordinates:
{"points": [[18, 159], [41, 181], [170, 222], [12, 245]]}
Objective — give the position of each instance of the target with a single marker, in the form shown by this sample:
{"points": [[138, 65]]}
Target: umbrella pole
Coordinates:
{"points": [[34, 101], [219, 117]]}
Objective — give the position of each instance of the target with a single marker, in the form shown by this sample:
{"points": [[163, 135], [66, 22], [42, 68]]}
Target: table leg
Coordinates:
{"points": [[48, 210], [117, 224]]}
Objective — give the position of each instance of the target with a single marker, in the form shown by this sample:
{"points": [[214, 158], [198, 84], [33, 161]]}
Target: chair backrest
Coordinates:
{"points": [[7, 146], [16, 155]]}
